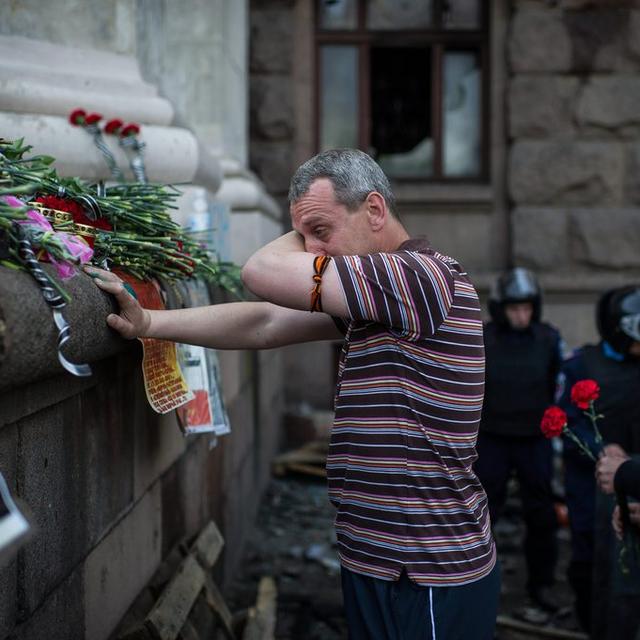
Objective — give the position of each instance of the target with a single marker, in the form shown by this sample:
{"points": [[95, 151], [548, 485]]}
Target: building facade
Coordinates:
{"points": [[509, 130]]}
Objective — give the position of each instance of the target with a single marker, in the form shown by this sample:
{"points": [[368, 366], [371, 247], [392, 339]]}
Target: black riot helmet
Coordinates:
{"points": [[618, 317], [516, 285]]}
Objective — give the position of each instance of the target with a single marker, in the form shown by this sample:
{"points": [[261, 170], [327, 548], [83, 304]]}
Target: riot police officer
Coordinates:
{"points": [[523, 358], [614, 363]]}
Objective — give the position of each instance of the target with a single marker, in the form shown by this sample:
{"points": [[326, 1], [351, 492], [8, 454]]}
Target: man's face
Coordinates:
{"points": [[519, 314], [634, 349], [328, 227]]}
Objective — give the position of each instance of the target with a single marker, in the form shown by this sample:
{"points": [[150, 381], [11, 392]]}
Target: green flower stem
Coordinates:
{"points": [[591, 413], [22, 189], [144, 240], [566, 431]]}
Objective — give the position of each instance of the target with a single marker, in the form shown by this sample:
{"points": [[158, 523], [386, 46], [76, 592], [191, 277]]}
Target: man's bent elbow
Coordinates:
{"points": [[250, 274]]}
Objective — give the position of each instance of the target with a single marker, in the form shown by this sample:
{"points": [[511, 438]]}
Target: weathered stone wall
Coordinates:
{"points": [[272, 94], [110, 485], [468, 221], [564, 192], [574, 125]]}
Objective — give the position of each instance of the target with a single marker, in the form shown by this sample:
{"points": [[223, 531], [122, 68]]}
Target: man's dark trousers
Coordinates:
{"points": [[402, 610], [531, 457]]}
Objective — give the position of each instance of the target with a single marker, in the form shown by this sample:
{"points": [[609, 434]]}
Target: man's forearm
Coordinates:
{"points": [[235, 325], [241, 325]]}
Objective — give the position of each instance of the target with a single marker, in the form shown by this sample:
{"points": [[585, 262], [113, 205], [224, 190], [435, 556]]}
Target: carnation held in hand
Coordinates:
{"points": [[553, 422], [584, 392]]}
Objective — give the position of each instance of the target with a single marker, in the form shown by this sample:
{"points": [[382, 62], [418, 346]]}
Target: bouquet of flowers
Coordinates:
{"points": [[554, 423], [127, 225]]}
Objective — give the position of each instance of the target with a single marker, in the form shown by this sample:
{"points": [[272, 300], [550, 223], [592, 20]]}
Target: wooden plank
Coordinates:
{"points": [[267, 602], [307, 469], [538, 631], [308, 459], [217, 603], [189, 632], [138, 633], [252, 630], [208, 545], [173, 606], [261, 621]]}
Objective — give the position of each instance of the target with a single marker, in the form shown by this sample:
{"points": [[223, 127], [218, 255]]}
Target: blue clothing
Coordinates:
{"points": [[580, 482], [400, 609]]}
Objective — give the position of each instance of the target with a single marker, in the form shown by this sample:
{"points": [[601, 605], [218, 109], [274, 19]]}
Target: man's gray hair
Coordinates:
{"points": [[353, 174]]}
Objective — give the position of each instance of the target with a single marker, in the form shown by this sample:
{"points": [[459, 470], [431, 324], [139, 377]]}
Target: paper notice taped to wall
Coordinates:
{"points": [[195, 416], [163, 381], [205, 412], [195, 293]]}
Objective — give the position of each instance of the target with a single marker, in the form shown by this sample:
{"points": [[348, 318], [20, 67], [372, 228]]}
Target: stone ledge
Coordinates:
{"points": [[41, 82], [171, 155], [42, 77], [572, 283], [28, 339], [243, 191], [439, 193]]}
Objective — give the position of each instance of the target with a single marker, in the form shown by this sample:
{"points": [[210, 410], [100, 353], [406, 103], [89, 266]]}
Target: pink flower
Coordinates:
{"points": [[75, 248], [79, 251], [12, 201]]}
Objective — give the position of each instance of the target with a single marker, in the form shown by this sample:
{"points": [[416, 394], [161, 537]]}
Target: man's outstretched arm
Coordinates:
{"points": [[234, 325]]}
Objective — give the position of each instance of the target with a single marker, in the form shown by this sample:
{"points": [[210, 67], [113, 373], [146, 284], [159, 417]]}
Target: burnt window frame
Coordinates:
{"points": [[438, 39]]}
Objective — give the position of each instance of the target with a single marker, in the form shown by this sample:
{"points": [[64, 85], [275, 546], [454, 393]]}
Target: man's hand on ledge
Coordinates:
{"points": [[133, 321]]}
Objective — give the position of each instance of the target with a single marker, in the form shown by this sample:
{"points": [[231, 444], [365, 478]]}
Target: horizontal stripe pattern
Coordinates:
{"points": [[408, 405]]}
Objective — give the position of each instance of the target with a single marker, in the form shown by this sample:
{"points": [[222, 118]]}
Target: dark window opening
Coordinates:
{"points": [[407, 81], [401, 138]]}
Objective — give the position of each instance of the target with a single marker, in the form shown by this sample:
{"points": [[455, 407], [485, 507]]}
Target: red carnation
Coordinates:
{"points": [[75, 209], [77, 117], [553, 422], [584, 392], [113, 126], [93, 118], [131, 129]]}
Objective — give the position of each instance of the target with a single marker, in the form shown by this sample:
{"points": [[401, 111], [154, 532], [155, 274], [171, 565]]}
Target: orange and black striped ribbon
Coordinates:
{"points": [[320, 263]]}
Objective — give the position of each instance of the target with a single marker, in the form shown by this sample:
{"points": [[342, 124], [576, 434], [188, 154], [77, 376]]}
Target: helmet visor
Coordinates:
{"points": [[520, 284], [630, 325]]}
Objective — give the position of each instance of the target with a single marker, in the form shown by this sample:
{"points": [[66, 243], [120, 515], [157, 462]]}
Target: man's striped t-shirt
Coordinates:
{"points": [[408, 405]]}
